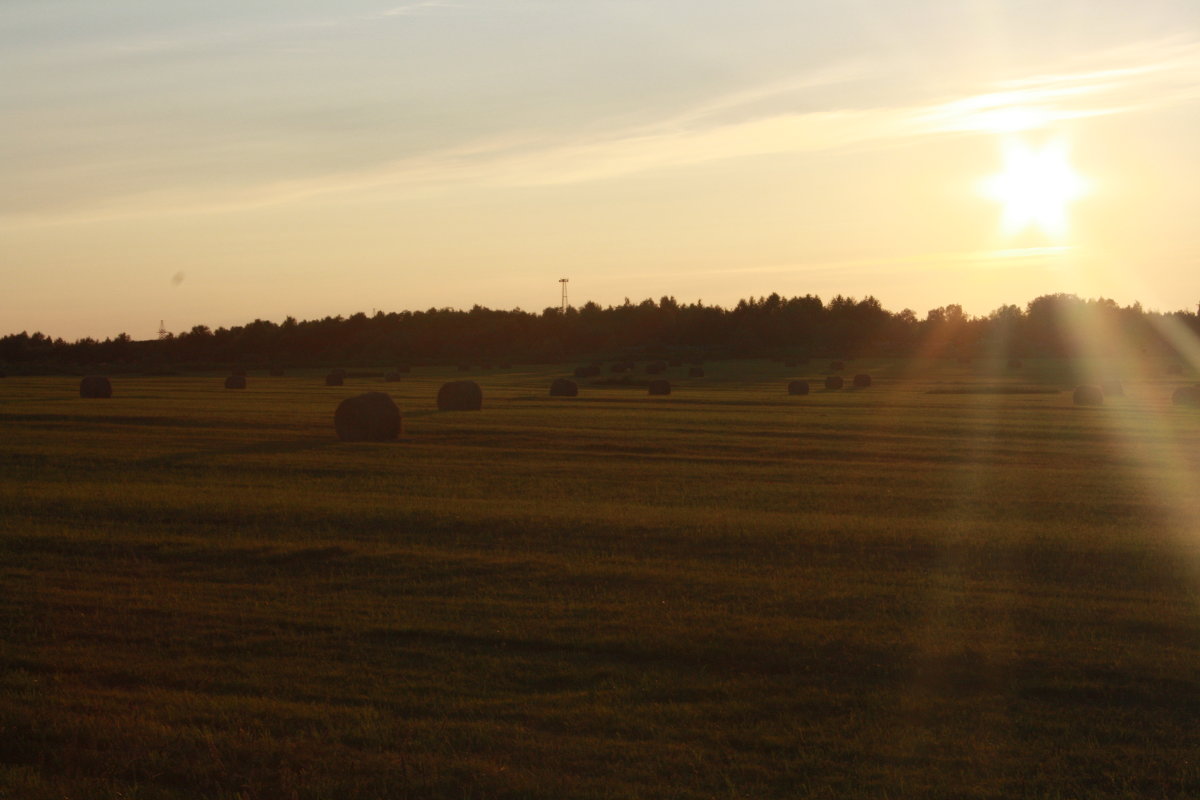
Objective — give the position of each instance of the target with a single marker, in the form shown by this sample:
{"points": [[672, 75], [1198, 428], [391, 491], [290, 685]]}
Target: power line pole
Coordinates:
{"points": [[563, 281]]}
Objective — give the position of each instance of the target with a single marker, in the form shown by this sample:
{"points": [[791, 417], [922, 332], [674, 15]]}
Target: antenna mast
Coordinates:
{"points": [[563, 281], [162, 329]]}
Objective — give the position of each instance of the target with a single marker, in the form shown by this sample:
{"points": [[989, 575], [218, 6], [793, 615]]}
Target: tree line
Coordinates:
{"points": [[771, 326]]}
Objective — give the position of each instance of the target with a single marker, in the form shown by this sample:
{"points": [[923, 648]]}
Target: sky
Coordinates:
{"points": [[211, 163]]}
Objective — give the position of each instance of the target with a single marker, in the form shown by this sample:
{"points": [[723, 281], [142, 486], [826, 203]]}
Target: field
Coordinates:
{"points": [[943, 586]]}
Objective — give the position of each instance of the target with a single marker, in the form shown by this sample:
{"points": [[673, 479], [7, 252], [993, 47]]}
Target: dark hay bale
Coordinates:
{"points": [[696, 372], [370, 417], [392, 377], [1187, 396], [235, 381], [1174, 369], [1088, 395], [862, 381], [1014, 363], [561, 387], [460, 396], [837, 366], [95, 386], [798, 387], [659, 386], [1112, 389], [587, 371], [834, 382], [335, 378]]}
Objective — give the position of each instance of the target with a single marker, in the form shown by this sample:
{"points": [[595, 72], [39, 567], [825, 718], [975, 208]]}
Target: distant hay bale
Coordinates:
{"points": [[235, 382], [335, 378], [1113, 388], [460, 396], [834, 382], [370, 417], [561, 387], [862, 381], [659, 386], [1187, 396], [393, 376], [837, 366], [1088, 395], [798, 387], [618, 367], [587, 371], [1014, 363], [95, 386], [696, 372], [1174, 369]]}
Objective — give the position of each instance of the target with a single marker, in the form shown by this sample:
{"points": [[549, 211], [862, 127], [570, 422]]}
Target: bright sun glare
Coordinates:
{"points": [[1036, 188]]}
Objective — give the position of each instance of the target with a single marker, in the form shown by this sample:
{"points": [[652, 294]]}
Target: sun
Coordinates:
{"points": [[1036, 188]]}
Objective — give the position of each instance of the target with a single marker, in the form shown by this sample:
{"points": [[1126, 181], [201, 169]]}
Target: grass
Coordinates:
{"points": [[727, 592]]}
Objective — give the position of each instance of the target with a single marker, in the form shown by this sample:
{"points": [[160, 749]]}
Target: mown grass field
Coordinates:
{"points": [[728, 592]]}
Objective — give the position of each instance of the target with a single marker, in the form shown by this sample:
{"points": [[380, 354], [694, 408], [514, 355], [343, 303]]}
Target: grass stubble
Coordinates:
{"points": [[728, 592]]}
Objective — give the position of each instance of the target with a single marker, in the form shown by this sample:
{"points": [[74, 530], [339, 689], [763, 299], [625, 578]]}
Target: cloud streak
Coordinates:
{"points": [[1137, 78]]}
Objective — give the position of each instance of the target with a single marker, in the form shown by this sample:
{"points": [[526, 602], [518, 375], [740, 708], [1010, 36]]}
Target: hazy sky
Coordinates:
{"points": [[213, 162]]}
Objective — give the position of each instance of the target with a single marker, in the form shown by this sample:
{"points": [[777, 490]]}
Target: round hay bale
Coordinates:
{"points": [[837, 366], [1187, 396], [561, 387], [798, 387], [335, 378], [235, 382], [862, 381], [834, 382], [370, 417], [95, 386], [1088, 395], [1174, 369], [696, 372], [659, 386], [1112, 388], [460, 396], [587, 371]]}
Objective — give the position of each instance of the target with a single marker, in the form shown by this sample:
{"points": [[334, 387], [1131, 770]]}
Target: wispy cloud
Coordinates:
{"points": [[744, 124], [416, 8]]}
